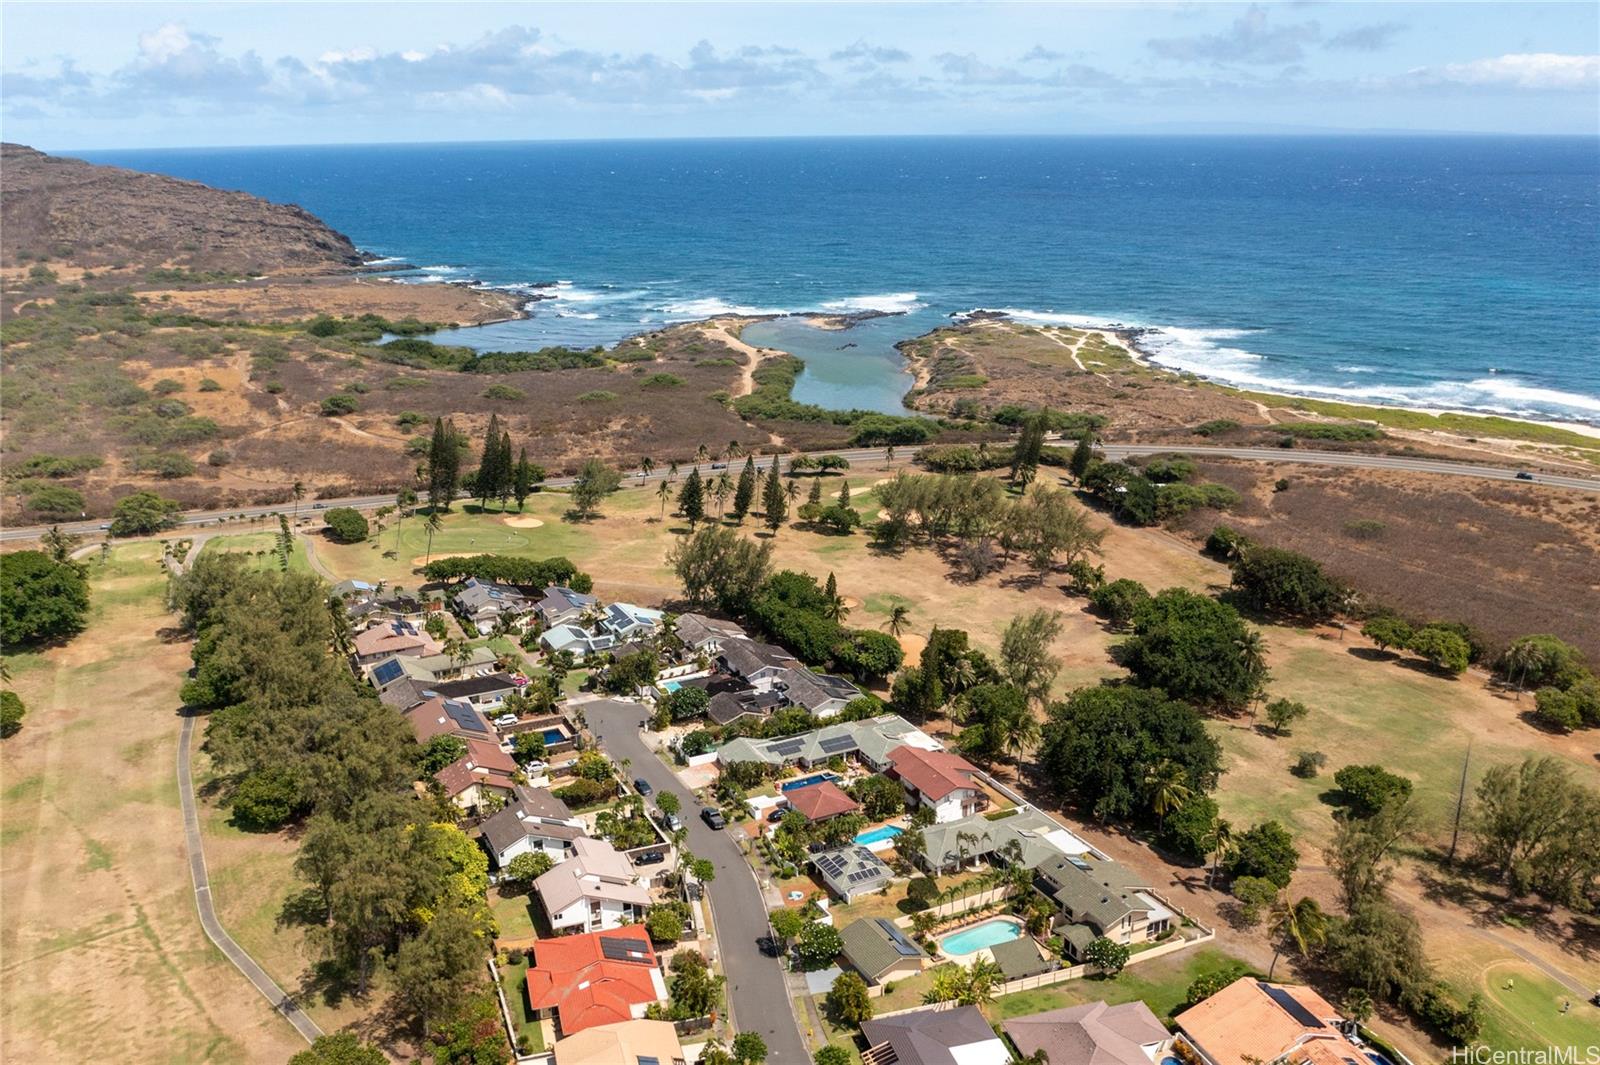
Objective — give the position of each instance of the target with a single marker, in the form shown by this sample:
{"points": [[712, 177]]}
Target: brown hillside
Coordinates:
{"points": [[58, 208]]}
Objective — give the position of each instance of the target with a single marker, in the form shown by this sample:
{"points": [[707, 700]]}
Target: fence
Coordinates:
{"points": [[977, 900]]}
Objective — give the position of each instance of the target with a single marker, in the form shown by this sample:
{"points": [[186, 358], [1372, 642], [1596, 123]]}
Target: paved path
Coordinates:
{"points": [[863, 456], [208, 914], [758, 991]]}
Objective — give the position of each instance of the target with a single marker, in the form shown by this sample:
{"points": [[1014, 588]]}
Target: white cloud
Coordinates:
{"points": [[1528, 70], [1250, 38]]}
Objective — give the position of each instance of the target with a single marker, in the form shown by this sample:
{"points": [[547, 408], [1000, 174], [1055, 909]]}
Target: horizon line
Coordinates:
{"points": [[1262, 133]]}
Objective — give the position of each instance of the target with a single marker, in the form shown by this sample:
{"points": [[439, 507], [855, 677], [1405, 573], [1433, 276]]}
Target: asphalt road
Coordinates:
{"points": [[758, 992], [863, 456], [208, 914]]}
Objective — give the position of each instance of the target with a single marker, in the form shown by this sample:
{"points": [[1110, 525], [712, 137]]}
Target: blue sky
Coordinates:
{"points": [[169, 75]]}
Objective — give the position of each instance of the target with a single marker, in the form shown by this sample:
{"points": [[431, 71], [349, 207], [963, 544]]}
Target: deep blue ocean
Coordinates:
{"points": [[1447, 272]]}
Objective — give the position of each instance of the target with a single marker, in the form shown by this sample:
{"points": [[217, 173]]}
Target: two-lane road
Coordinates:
{"points": [[758, 991], [861, 457]]}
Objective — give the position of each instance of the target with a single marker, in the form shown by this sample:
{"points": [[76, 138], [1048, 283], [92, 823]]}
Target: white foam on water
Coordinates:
{"points": [[885, 302], [587, 316], [711, 307]]}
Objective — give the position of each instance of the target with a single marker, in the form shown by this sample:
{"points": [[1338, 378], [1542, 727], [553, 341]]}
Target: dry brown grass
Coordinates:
{"points": [[103, 952], [293, 299]]}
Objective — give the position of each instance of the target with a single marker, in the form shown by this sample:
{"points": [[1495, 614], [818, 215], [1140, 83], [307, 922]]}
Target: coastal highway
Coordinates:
{"points": [[863, 456]]}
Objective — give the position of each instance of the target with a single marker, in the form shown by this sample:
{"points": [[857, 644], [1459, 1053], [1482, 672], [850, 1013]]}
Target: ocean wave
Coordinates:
{"points": [[885, 302], [1071, 321], [585, 315], [1356, 369], [712, 307], [387, 260]]}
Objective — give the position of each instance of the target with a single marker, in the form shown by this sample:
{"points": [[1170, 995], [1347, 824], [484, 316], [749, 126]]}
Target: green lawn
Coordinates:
{"points": [[260, 548], [1162, 985], [1528, 1014], [513, 914], [512, 978]]}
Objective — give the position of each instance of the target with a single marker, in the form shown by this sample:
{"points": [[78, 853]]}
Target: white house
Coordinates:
{"points": [[579, 642], [534, 822], [627, 622], [595, 889], [941, 780]]}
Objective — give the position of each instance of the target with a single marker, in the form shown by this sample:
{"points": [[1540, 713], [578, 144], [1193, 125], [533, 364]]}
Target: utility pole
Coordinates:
{"points": [[1461, 801]]}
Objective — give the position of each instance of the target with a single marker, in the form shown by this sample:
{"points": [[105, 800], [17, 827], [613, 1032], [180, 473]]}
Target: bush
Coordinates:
{"points": [[167, 387], [208, 384], [1369, 788], [1254, 894], [1266, 850], [168, 465], [1106, 955], [586, 792], [922, 891], [1224, 542], [848, 1000], [265, 800], [508, 392], [1285, 583], [1558, 709], [1308, 764], [40, 598], [599, 395], [661, 380], [1215, 427], [1387, 631], [1120, 601], [340, 403], [219, 457], [1329, 431], [685, 703], [53, 499], [346, 525], [11, 714]]}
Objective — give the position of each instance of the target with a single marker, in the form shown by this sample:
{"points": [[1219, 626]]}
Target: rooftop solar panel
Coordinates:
{"points": [[897, 939], [387, 671], [837, 743], [619, 949], [787, 747], [1289, 1005]]}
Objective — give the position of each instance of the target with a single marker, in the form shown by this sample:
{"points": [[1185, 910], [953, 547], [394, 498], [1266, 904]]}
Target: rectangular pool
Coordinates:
{"points": [[671, 686], [879, 834], [806, 782], [553, 735], [988, 934]]}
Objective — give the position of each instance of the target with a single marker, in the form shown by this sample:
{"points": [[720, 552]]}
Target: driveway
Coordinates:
{"points": [[758, 991]]}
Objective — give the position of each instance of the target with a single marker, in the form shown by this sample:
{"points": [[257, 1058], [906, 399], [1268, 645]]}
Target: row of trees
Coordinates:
{"points": [[298, 737], [499, 475]]}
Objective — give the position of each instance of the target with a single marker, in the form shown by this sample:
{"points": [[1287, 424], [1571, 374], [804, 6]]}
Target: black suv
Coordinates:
{"points": [[641, 785], [713, 817]]}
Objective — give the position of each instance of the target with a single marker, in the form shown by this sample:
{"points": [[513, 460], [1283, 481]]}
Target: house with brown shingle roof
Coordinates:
{"points": [[595, 889], [393, 638], [484, 770], [1252, 1020], [945, 782], [598, 978]]}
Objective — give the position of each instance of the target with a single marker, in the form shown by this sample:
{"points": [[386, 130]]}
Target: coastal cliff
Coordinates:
{"points": [[105, 215]]}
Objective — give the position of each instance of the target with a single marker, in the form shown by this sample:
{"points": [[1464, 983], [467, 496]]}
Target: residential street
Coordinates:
{"points": [[757, 989]]}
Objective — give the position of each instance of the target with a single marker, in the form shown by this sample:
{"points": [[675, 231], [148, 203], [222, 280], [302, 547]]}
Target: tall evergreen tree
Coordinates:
{"points": [[744, 493], [1030, 447], [815, 495], [692, 498], [774, 502], [444, 464], [844, 492], [489, 472], [506, 470], [1082, 456]]}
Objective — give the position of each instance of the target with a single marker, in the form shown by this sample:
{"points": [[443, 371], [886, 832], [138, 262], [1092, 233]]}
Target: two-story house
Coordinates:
{"points": [[595, 889], [946, 783]]}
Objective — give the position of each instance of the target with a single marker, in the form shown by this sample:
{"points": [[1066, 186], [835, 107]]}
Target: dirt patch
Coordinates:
{"points": [[912, 644], [523, 522], [292, 299]]}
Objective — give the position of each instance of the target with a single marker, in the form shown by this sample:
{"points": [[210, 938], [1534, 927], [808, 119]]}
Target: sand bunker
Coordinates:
{"points": [[521, 522], [423, 560], [912, 644], [851, 602]]}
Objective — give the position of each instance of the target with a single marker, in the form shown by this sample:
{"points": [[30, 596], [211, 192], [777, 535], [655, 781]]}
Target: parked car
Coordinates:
{"points": [[642, 786], [650, 858], [505, 720], [713, 817], [768, 945], [673, 822], [535, 766], [776, 815]]}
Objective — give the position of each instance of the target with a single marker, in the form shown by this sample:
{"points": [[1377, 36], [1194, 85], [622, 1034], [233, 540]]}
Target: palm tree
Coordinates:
{"points": [[963, 674], [1303, 924], [702, 453], [888, 455], [899, 616], [947, 985], [983, 977], [664, 493], [1168, 788], [1023, 735], [1220, 843], [299, 493], [647, 466], [1252, 652], [433, 525], [791, 489], [721, 490], [1520, 657], [672, 469], [733, 450]]}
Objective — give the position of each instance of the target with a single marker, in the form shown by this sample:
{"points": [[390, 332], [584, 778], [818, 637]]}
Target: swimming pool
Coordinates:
{"points": [[879, 834], [671, 686], [806, 782], [553, 735], [988, 934]]}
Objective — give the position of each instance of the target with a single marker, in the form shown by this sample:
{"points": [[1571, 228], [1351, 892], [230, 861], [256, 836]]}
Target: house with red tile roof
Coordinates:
{"points": [[1252, 1020], [945, 782], [820, 801], [484, 770], [593, 979]]}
